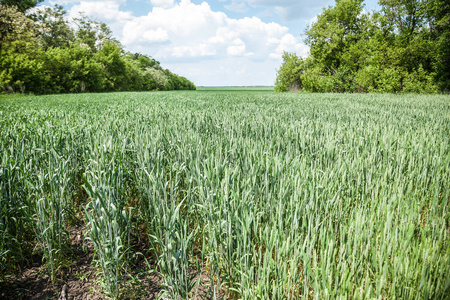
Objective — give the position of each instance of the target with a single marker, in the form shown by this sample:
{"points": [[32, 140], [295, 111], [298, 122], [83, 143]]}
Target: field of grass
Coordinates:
{"points": [[236, 88], [266, 196]]}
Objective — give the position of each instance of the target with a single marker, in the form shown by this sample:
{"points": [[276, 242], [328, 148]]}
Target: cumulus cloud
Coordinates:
{"points": [[107, 11], [290, 44], [162, 3], [193, 51], [139, 34], [238, 48], [188, 38]]}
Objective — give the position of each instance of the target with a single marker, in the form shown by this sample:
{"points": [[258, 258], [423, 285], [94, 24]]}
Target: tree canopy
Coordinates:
{"points": [[404, 47], [22, 5], [41, 53]]}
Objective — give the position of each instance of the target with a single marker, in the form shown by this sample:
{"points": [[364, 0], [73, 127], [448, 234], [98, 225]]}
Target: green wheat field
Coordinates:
{"points": [[243, 194]]}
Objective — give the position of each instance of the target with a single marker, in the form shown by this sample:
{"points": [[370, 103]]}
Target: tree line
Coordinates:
{"points": [[403, 47], [42, 53]]}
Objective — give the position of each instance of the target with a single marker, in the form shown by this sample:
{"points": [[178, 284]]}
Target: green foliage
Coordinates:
{"points": [[403, 45], [21, 67], [108, 221], [93, 34], [337, 29], [73, 69], [314, 81], [365, 79], [389, 80], [48, 56], [16, 30], [268, 195], [15, 213], [439, 13], [52, 192], [53, 29], [22, 5], [420, 82], [21, 73], [134, 76], [145, 61], [110, 57], [288, 76]]}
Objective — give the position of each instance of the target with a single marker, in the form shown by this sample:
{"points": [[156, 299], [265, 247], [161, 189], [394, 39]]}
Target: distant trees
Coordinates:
{"points": [[289, 75], [41, 53], [20, 54], [52, 28], [22, 5], [402, 48]]}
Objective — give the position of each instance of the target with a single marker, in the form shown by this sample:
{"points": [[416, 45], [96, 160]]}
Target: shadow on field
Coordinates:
{"points": [[79, 280]]}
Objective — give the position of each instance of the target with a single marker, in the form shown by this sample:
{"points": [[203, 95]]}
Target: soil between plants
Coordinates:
{"points": [[79, 280]]}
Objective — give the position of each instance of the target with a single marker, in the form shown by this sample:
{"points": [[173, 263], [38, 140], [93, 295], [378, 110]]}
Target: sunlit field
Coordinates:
{"points": [[230, 194]]}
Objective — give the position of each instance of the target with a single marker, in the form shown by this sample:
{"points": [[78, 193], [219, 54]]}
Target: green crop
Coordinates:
{"points": [[51, 208], [254, 194]]}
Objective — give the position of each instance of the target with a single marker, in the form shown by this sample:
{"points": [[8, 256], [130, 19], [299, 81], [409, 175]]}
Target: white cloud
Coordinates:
{"points": [[237, 49], [158, 35], [101, 10], [290, 44], [193, 51], [203, 45], [162, 3]]}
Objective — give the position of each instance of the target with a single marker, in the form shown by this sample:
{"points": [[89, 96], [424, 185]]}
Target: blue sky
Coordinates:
{"points": [[212, 43]]}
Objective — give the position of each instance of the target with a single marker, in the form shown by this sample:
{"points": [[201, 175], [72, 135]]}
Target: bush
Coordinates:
{"points": [[315, 81], [21, 73], [420, 81], [365, 79], [289, 74], [89, 60], [390, 80], [343, 80], [72, 70]]}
